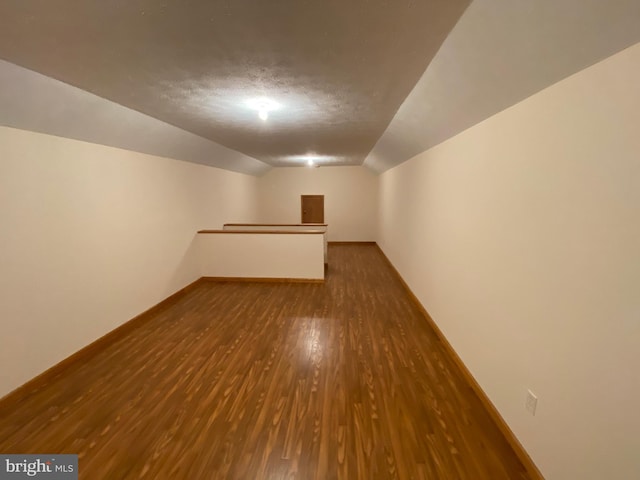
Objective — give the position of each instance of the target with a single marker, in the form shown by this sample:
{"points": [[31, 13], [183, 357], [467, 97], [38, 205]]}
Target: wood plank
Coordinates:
{"points": [[342, 380], [253, 232], [275, 225]]}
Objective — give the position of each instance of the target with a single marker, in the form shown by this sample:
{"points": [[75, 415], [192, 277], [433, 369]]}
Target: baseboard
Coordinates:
{"points": [[18, 395], [513, 441], [351, 243], [263, 279]]}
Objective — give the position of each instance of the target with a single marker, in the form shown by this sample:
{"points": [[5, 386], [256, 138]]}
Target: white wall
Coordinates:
{"points": [[521, 237], [92, 236], [350, 198], [286, 228], [261, 255]]}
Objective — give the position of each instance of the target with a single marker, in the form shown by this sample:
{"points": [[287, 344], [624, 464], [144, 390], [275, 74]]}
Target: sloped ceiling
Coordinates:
{"points": [[499, 53], [377, 79], [34, 102], [337, 70]]}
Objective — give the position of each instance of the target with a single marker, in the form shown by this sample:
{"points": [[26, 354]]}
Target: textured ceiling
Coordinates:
{"points": [[499, 53], [339, 69]]}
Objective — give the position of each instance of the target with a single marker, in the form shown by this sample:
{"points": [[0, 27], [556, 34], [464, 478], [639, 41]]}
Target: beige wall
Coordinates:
{"points": [[261, 255], [521, 237], [288, 228], [350, 198], [92, 236]]}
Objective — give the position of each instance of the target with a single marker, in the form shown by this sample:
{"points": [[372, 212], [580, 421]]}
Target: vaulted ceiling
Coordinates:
{"points": [[345, 82], [499, 53]]}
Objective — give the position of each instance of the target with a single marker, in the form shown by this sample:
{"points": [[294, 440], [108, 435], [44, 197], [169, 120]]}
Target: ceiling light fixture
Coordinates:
{"points": [[263, 106], [309, 159]]}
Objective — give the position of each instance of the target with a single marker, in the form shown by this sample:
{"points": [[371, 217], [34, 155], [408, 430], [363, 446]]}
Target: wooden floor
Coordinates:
{"points": [[272, 381]]}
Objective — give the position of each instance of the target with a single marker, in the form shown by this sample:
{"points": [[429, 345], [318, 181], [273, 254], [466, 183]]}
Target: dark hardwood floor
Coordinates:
{"points": [[272, 381]]}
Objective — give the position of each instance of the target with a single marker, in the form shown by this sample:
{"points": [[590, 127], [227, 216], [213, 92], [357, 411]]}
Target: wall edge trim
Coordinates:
{"points": [[262, 279], [502, 425], [90, 350], [352, 243]]}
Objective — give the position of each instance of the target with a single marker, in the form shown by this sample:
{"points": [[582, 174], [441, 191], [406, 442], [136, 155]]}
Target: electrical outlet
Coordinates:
{"points": [[531, 403]]}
